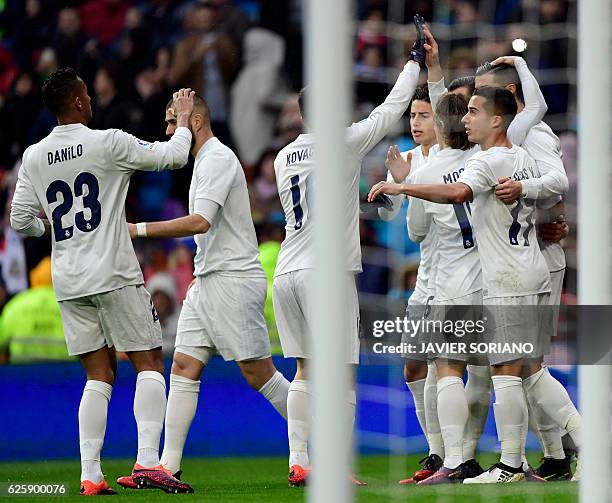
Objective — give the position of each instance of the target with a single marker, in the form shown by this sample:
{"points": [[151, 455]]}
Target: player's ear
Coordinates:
{"points": [[511, 88], [496, 121], [78, 103]]}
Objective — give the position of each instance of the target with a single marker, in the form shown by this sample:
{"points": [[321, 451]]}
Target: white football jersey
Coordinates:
{"points": [[79, 177], [458, 270], [544, 146], [294, 166], [428, 263], [230, 245], [511, 260]]}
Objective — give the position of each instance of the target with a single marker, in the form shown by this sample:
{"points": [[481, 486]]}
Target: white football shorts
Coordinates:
{"points": [[225, 312], [124, 318], [292, 310]]}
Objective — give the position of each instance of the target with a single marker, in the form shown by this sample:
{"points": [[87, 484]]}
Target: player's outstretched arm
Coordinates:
{"points": [[450, 193], [535, 104], [364, 135], [175, 228], [130, 153]]}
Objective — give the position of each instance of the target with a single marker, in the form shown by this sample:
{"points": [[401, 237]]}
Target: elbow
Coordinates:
{"points": [[415, 238], [18, 222], [201, 225], [459, 193]]}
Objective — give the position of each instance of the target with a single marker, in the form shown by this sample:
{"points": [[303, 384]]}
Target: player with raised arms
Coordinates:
{"points": [[420, 379], [223, 310], [79, 177], [549, 424], [295, 168], [514, 273]]}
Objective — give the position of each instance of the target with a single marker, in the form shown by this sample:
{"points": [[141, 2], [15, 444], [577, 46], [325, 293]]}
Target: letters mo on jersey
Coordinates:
{"points": [[454, 176], [299, 155]]}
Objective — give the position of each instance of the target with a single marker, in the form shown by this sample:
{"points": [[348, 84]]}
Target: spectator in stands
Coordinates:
{"points": [[111, 109], [31, 325], [257, 95], [264, 193], [206, 60], [21, 109], [69, 39], [162, 288], [32, 33], [371, 75], [104, 19]]}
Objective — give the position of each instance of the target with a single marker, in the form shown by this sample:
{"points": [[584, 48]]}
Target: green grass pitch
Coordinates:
{"points": [[230, 480]]}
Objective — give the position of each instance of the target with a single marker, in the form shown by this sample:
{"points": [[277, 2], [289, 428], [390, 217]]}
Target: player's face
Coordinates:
{"points": [[463, 91], [477, 121], [421, 123], [170, 122]]}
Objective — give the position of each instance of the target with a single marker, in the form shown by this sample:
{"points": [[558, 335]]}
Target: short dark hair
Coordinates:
{"points": [[498, 101], [302, 100], [449, 111], [468, 81], [421, 93], [59, 89], [199, 103], [504, 75]]}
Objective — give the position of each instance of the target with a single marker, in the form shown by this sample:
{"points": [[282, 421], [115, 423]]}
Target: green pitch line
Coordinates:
{"points": [[263, 480]]}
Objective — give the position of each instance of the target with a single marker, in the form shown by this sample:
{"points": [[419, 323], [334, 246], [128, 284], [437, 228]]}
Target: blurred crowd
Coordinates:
{"points": [[245, 58]]}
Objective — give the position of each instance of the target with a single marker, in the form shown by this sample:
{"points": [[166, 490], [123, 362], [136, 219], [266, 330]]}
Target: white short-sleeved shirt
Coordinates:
{"points": [[79, 177], [511, 260], [458, 271], [295, 166], [230, 245]]}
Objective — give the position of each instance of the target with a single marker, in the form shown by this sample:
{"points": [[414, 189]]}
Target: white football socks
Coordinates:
{"points": [[417, 388], [478, 392], [149, 411], [549, 398], [453, 415], [92, 426], [276, 391], [510, 409], [298, 423], [180, 411], [434, 435]]}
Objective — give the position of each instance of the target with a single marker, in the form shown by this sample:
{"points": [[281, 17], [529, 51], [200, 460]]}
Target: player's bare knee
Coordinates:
{"points": [[186, 366], [257, 372], [147, 360], [414, 371]]}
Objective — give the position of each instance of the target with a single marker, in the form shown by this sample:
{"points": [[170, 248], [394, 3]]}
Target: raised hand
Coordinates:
{"points": [[417, 52], [396, 165], [508, 60], [183, 106]]}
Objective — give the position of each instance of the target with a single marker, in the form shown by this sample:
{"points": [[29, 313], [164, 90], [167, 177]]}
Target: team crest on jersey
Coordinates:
{"points": [[144, 144]]}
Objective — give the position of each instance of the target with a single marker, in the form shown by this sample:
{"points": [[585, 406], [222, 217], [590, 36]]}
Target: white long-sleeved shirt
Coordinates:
{"points": [[79, 177], [295, 164], [427, 242]]}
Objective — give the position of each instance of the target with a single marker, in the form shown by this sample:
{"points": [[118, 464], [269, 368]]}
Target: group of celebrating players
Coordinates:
{"points": [[475, 199]]}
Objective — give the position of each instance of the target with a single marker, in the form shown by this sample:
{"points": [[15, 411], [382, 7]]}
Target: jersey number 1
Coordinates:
{"points": [[90, 201]]}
